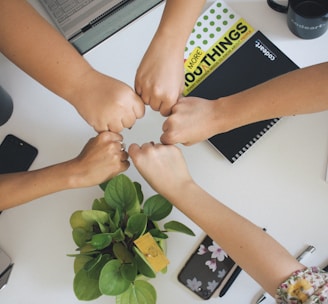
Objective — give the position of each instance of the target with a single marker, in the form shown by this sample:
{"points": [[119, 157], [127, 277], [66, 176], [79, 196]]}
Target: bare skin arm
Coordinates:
{"points": [[100, 160], [164, 168], [32, 44], [160, 76], [298, 92]]}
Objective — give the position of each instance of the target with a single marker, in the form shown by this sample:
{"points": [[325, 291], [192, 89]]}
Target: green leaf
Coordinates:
{"points": [[111, 281], [103, 185], [157, 234], [92, 263], [101, 205], [85, 286], [78, 221], [141, 292], [80, 261], [118, 235], [117, 217], [162, 244], [178, 227], [81, 236], [97, 216], [143, 265], [157, 207], [139, 192], [101, 240], [136, 225], [122, 253], [87, 248], [129, 271], [112, 225], [120, 193], [86, 283]]}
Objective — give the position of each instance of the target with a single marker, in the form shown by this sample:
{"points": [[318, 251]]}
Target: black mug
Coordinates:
{"points": [[307, 19], [6, 106]]}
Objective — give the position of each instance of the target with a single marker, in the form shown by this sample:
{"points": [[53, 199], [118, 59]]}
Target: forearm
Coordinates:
{"points": [[33, 45], [251, 248], [101, 159], [178, 20], [254, 250], [23, 187], [298, 92]]}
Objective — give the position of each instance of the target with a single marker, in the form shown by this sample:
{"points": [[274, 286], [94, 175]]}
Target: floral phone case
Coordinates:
{"points": [[208, 270]]}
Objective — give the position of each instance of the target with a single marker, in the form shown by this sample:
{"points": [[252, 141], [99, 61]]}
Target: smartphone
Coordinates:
{"points": [[16, 155], [209, 271], [5, 268]]}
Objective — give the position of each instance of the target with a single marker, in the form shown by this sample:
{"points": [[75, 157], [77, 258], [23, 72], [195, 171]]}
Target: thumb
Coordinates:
{"points": [[133, 149], [165, 140]]}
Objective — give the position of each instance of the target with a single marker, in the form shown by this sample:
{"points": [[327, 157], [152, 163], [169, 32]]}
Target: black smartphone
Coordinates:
{"points": [[16, 154], [209, 271], [5, 268]]}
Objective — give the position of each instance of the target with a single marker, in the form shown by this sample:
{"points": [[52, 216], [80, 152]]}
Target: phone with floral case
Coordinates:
{"points": [[209, 271]]}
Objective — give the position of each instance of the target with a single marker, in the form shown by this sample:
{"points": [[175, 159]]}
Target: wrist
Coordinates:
{"points": [[177, 193], [171, 39], [77, 175], [222, 115], [67, 175], [78, 86], [186, 196], [229, 113]]}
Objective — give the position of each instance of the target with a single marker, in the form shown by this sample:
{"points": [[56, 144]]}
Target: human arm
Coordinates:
{"points": [[36, 47], [164, 168], [100, 160], [160, 76], [299, 92]]}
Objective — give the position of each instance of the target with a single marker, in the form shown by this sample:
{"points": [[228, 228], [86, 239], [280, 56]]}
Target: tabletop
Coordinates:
{"points": [[278, 184]]}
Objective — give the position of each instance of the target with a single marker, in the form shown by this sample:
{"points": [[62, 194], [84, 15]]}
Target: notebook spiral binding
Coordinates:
{"points": [[254, 139]]}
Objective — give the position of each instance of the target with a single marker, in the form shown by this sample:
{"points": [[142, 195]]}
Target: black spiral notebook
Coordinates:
{"points": [[256, 61]]}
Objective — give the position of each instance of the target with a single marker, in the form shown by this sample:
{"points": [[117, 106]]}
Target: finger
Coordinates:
{"points": [[187, 143], [124, 165], [169, 138], [112, 136], [101, 129], [138, 90], [165, 125], [165, 109], [155, 103], [117, 147], [123, 146], [133, 149], [168, 103], [124, 156], [137, 86], [115, 136], [115, 126], [145, 98], [139, 108], [165, 140], [128, 120], [147, 146]]}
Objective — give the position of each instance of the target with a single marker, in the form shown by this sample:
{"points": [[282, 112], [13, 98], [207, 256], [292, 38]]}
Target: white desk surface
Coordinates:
{"points": [[278, 184]]}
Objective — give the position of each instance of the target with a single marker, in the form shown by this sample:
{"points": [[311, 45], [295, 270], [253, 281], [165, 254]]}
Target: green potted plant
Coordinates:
{"points": [[112, 258]]}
